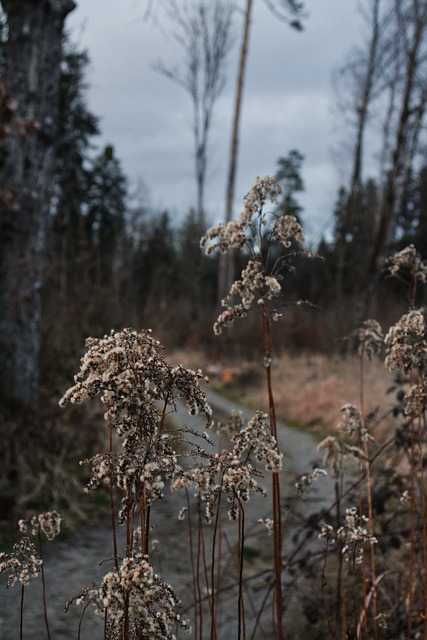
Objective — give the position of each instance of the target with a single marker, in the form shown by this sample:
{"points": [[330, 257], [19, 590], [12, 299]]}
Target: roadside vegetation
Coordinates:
{"points": [[355, 567]]}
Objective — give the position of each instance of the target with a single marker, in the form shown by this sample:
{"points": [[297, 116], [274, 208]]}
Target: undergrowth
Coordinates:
{"points": [[349, 561]]}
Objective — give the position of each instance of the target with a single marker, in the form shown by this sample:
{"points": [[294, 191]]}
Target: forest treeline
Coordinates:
{"points": [[83, 251]]}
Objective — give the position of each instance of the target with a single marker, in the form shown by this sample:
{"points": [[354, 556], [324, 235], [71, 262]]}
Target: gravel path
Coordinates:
{"points": [[73, 563]]}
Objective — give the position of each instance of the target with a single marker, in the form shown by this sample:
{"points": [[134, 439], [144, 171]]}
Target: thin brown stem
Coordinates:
{"points": [[112, 510], [241, 627], [199, 591], [423, 500], [277, 522], [46, 621], [339, 589], [369, 499], [79, 631], [413, 525], [193, 569], [21, 613], [213, 563]]}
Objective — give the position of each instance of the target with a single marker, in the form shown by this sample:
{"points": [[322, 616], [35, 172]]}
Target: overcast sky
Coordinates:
{"points": [[288, 103]]}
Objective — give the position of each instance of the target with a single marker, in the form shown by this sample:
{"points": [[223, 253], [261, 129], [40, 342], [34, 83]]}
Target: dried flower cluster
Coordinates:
{"points": [[354, 536], [22, 563], [410, 261], [406, 343], [353, 424], [260, 234], [139, 389], [48, 523], [415, 400], [150, 602], [127, 371], [370, 338], [333, 453], [233, 472], [308, 478]]}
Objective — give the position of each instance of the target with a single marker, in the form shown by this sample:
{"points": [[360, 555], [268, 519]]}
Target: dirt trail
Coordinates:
{"points": [[73, 563]]}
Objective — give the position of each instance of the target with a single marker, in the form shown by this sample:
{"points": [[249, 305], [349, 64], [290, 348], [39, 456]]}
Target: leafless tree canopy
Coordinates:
{"points": [[202, 29]]}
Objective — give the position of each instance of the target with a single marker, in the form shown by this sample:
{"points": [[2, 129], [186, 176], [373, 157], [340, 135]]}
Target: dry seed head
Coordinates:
{"points": [[22, 563], [370, 338], [150, 602], [353, 535], [406, 344], [408, 259], [307, 479], [251, 231]]}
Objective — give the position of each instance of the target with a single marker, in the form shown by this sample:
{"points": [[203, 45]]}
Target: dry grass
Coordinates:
{"points": [[309, 389]]}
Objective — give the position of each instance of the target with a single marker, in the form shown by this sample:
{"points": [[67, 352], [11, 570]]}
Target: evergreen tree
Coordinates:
{"points": [[105, 217], [289, 176], [77, 128]]}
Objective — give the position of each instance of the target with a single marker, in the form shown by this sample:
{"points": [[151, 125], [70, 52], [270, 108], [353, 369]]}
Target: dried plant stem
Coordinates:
{"points": [[364, 574], [369, 499], [323, 585], [213, 566], [413, 525], [46, 621], [21, 613], [423, 502], [339, 622], [198, 562], [241, 627], [112, 511], [79, 632], [196, 586], [277, 522]]}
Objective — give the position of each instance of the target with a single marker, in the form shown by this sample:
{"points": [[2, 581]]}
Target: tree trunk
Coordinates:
{"points": [[225, 275], [27, 171]]}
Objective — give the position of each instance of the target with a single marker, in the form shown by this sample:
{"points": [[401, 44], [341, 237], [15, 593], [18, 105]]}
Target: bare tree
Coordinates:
{"points": [[27, 168], [388, 77], [203, 31]]}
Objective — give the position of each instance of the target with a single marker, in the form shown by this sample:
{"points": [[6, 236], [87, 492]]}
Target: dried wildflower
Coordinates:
{"points": [[268, 524], [354, 536], [327, 533], [233, 425], [415, 400], [139, 388], [307, 479], [334, 453], [404, 497], [286, 229], [127, 371], [233, 472], [150, 602], [256, 440], [351, 420], [22, 563], [406, 343], [410, 261], [259, 233], [370, 338], [48, 523]]}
